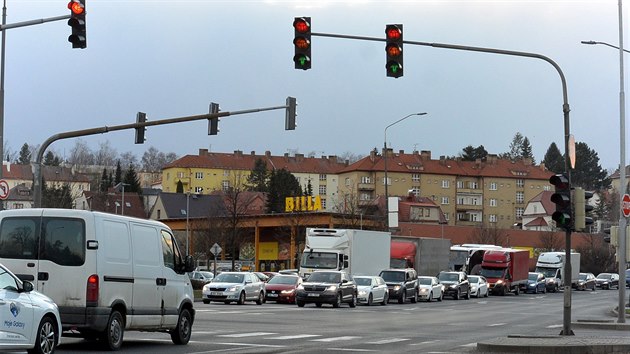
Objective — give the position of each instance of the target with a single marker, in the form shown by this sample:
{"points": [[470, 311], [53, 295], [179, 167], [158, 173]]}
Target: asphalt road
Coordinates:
{"points": [[449, 326]]}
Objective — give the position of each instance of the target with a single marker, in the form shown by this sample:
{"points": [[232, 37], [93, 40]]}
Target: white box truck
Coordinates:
{"points": [[551, 264], [358, 252], [107, 273]]}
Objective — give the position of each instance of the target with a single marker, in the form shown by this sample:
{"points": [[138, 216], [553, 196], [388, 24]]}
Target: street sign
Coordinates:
{"points": [[4, 189], [215, 249], [625, 205]]}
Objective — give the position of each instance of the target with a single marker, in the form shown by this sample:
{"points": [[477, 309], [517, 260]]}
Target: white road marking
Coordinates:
{"points": [[351, 350], [555, 326], [390, 340], [425, 342], [469, 345], [249, 334], [333, 339], [497, 324], [297, 336]]}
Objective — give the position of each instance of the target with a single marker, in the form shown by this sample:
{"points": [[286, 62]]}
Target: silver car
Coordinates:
{"points": [[430, 289], [234, 287], [371, 289]]}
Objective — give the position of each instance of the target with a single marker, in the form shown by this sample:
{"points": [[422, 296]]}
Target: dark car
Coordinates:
{"points": [[607, 280], [282, 288], [536, 283], [402, 284], [585, 281], [327, 287], [456, 284]]}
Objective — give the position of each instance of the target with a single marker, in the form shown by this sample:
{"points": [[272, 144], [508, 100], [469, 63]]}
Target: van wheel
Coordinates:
{"points": [[181, 333], [241, 298], [46, 337], [114, 332], [261, 298]]}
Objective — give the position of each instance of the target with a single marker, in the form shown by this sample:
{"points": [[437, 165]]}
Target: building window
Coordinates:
{"points": [[475, 217], [520, 197], [348, 182], [322, 177], [446, 216], [546, 188], [445, 200], [415, 190], [520, 183], [180, 174], [415, 177], [226, 173], [473, 185], [198, 189], [225, 186], [323, 203], [493, 202], [365, 196], [493, 186], [322, 190], [460, 184], [492, 218], [389, 181], [366, 179], [445, 183], [199, 175], [519, 213]]}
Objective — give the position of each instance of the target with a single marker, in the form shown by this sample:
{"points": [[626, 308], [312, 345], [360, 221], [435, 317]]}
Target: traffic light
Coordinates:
{"points": [[394, 50], [562, 199], [302, 42], [289, 120], [213, 123], [140, 118], [78, 38], [581, 208]]}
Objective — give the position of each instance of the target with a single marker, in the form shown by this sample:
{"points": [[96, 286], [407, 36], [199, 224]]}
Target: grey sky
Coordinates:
{"points": [[172, 58]]}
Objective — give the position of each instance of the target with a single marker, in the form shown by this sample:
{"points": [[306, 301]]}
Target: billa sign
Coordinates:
{"points": [[305, 203]]}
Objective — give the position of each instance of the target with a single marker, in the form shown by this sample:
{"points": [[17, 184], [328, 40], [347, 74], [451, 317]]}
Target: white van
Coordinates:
{"points": [[107, 273]]}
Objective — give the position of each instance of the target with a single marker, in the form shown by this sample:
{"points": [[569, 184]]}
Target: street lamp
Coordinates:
{"points": [[122, 185], [385, 163], [621, 249]]}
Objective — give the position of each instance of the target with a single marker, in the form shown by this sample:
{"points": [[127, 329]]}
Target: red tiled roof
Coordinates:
{"points": [[544, 198], [240, 161], [539, 221]]}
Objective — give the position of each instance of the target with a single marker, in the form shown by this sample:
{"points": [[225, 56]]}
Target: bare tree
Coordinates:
{"points": [[106, 154], [154, 160], [489, 234], [549, 241], [81, 155], [128, 158], [348, 206], [596, 256]]}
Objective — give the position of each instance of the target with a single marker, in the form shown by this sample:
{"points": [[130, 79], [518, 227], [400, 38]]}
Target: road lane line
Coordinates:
{"points": [[497, 324], [390, 340], [297, 336], [249, 334], [333, 339]]}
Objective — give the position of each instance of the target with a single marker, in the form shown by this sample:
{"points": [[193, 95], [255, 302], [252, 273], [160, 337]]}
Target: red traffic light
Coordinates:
{"points": [[393, 33], [76, 7], [301, 25]]}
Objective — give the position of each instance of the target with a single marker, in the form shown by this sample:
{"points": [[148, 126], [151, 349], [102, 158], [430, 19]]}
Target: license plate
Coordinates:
{"points": [[313, 295], [216, 293], [272, 295]]}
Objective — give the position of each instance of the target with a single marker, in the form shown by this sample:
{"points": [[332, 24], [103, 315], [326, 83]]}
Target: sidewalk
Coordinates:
{"points": [[591, 336]]}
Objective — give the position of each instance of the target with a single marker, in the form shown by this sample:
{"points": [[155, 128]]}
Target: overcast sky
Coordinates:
{"points": [[172, 58]]}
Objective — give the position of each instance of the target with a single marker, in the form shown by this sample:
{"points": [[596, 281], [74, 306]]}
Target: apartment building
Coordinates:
{"points": [[213, 171], [494, 191]]}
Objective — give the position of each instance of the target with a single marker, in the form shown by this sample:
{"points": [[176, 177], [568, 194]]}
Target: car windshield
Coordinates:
{"points": [[492, 273], [472, 279], [393, 276], [320, 260], [548, 272], [448, 277], [228, 278], [604, 276], [582, 276], [207, 274], [424, 281], [324, 277], [533, 276], [363, 281], [283, 279]]}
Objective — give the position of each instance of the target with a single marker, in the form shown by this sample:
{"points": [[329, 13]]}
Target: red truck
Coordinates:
{"points": [[427, 255], [505, 269]]}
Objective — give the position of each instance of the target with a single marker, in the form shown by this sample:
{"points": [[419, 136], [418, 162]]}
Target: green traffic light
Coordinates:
{"points": [[302, 61]]}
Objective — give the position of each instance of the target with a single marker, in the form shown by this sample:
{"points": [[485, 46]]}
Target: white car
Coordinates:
{"points": [[29, 320], [371, 289], [429, 289], [478, 286], [234, 286]]}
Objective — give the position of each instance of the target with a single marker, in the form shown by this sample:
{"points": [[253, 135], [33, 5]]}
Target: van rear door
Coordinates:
{"points": [[147, 274]]}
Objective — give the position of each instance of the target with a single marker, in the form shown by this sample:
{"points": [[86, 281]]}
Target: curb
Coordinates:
{"points": [[555, 345]]}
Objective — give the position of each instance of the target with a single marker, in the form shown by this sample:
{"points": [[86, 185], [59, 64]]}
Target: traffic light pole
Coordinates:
{"points": [[37, 164], [566, 327]]}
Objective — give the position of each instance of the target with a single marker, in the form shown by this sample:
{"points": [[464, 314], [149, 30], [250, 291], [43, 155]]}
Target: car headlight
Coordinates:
{"points": [[363, 293], [300, 287], [551, 281], [499, 282], [424, 290], [332, 288], [473, 288], [206, 287], [396, 287], [232, 289], [454, 286], [287, 292]]}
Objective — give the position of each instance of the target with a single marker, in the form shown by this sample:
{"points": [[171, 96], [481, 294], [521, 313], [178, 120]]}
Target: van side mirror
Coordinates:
{"points": [[189, 264]]}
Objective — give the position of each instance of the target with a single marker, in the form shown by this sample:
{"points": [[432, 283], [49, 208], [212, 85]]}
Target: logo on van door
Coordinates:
{"points": [[15, 309]]}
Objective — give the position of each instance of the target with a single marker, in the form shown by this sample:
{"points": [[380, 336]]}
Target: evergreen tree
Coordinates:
{"points": [[131, 180], [50, 159], [554, 160], [526, 150], [25, 155], [180, 187], [282, 184], [588, 173], [516, 147], [257, 179], [56, 196], [309, 189], [118, 173], [470, 153], [105, 181]]}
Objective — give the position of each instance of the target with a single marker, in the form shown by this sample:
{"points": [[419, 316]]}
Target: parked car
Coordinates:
{"points": [[607, 280], [371, 289], [282, 288], [327, 287], [34, 319], [429, 289], [478, 286], [234, 286], [402, 284], [456, 284], [536, 283], [200, 278], [585, 281]]}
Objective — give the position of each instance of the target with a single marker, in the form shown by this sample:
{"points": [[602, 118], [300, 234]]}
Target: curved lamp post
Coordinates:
{"points": [[385, 163]]}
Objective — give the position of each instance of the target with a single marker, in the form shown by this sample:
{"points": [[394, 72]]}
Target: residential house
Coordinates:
{"points": [[113, 202]]}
